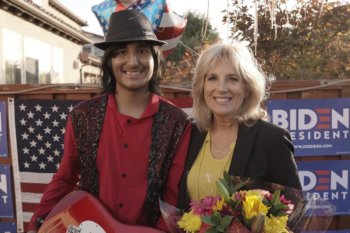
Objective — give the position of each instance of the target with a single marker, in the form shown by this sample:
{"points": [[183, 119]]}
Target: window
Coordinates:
{"points": [[38, 61], [12, 47], [57, 65], [29, 61]]}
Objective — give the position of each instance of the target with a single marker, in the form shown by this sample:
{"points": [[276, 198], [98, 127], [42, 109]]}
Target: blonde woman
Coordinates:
{"points": [[231, 131]]}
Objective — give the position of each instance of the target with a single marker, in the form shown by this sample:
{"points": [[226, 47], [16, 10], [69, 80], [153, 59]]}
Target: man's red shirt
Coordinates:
{"points": [[122, 164]]}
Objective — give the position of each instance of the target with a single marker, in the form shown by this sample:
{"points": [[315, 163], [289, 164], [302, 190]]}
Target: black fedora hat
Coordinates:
{"points": [[127, 26]]}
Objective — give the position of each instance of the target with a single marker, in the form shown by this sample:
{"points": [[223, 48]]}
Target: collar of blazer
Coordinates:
{"points": [[244, 145]]}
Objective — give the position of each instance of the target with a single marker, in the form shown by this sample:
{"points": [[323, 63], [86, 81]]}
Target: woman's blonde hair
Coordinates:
{"points": [[243, 61]]}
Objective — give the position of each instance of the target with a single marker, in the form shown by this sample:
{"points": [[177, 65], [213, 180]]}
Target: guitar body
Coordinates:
{"points": [[81, 212]]}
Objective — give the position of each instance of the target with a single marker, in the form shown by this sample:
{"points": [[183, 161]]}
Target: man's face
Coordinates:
{"points": [[132, 66]]}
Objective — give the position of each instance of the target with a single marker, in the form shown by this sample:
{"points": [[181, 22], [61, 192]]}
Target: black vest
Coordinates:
{"points": [[169, 124]]}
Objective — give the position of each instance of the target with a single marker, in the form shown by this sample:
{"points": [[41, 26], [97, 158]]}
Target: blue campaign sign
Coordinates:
{"points": [[317, 126], [328, 180], [6, 197], [8, 227], [3, 130]]}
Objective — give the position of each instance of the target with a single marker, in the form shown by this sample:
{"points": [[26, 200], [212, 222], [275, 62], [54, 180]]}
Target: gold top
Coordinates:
{"points": [[206, 170]]}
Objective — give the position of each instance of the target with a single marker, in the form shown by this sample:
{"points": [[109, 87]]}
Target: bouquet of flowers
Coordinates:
{"points": [[245, 206]]}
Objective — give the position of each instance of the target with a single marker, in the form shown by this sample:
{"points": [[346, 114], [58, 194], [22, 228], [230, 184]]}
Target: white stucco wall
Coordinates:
{"points": [[28, 29]]}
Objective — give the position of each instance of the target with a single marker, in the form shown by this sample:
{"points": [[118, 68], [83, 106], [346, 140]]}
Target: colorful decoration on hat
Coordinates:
{"points": [[167, 25]]}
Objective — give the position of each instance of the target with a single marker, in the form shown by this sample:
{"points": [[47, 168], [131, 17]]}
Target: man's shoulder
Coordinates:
{"points": [[87, 104], [171, 109]]}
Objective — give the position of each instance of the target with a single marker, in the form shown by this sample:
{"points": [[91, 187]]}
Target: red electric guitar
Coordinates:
{"points": [[81, 212]]}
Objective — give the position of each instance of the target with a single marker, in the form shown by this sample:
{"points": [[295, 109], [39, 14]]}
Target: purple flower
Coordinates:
{"points": [[205, 206]]}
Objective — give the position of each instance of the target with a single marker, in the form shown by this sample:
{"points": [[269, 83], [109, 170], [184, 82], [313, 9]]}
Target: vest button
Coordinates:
{"points": [[126, 145], [121, 205], [124, 175], [128, 121]]}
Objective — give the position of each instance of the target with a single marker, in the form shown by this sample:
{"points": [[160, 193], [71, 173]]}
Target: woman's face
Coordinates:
{"points": [[224, 90]]}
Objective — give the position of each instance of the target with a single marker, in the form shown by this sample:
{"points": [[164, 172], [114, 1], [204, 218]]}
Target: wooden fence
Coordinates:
{"points": [[279, 90]]}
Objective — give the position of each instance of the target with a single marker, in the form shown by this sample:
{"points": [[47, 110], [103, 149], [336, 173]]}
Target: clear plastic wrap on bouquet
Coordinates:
{"points": [[171, 216], [314, 214], [317, 216]]}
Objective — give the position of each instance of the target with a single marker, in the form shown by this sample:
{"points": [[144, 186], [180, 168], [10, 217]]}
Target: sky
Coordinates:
{"points": [[82, 8]]}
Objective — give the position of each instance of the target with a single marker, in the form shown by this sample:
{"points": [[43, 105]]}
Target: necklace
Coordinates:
{"points": [[220, 144], [218, 152]]}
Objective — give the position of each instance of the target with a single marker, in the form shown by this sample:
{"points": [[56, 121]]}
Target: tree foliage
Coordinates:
{"points": [[310, 41], [180, 63]]}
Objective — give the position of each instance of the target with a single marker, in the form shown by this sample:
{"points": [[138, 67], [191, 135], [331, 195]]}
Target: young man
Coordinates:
{"points": [[128, 146]]}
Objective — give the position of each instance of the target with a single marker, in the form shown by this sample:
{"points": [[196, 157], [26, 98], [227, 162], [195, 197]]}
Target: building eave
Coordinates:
{"points": [[64, 10]]}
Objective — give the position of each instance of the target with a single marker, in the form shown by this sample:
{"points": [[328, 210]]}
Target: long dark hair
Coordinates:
{"points": [[109, 81]]}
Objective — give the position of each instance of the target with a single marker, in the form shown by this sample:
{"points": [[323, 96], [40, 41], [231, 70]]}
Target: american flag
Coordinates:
{"points": [[40, 128], [168, 26]]}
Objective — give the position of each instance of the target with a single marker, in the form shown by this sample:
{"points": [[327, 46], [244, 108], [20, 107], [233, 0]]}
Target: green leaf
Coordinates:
{"points": [[226, 221], [215, 218], [280, 214], [220, 228], [222, 190], [227, 183], [238, 186], [217, 222], [207, 220], [276, 205], [235, 204], [276, 196], [227, 177], [211, 230]]}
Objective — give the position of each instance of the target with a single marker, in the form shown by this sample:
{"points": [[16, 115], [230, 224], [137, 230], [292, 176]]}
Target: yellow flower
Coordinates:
{"points": [[254, 192], [276, 224], [219, 204], [253, 206], [190, 222]]}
